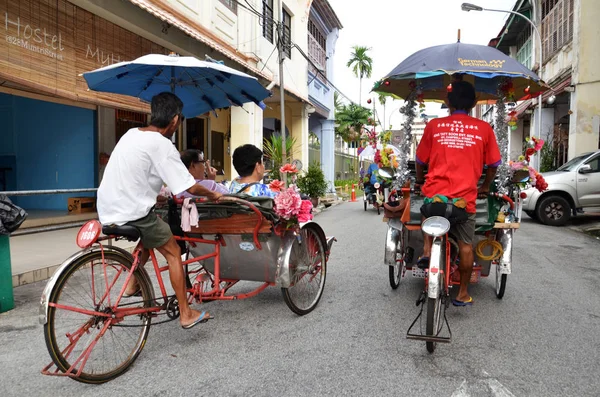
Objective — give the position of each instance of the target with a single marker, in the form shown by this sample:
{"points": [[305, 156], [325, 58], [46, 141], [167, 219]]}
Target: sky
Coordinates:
{"points": [[395, 29]]}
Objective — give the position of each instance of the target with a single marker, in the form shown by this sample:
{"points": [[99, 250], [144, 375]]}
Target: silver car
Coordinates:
{"points": [[572, 187]]}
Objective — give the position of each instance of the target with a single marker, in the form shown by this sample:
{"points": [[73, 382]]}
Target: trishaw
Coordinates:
{"points": [[497, 219], [94, 332], [429, 75]]}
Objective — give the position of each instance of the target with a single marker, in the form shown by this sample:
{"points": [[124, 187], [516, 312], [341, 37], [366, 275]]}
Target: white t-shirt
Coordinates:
{"points": [[134, 175]]}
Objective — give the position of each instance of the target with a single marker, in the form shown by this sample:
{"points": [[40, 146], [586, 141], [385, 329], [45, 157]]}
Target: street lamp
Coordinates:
{"points": [[472, 7]]}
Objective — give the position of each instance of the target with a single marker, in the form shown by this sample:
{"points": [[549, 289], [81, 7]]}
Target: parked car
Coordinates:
{"points": [[573, 186]]}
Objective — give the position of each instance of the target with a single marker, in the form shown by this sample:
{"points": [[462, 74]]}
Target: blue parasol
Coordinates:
{"points": [[202, 86]]}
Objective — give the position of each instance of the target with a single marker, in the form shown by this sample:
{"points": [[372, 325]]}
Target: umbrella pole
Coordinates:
{"points": [[180, 128]]}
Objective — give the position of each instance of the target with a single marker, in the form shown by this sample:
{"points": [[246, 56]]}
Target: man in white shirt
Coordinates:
{"points": [[144, 159]]}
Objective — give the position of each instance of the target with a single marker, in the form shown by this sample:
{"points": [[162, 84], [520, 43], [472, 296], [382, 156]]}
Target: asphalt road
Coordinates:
{"points": [[542, 339]]}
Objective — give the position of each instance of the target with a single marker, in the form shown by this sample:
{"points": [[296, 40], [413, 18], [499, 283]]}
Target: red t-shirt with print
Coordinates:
{"points": [[456, 149]]}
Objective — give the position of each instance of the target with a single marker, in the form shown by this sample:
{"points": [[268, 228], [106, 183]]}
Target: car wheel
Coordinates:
{"points": [[531, 214], [553, 211]]}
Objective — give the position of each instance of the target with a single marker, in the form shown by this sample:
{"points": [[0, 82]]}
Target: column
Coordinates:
{"points": [[246, 127], [328, 152], [299, 131]]}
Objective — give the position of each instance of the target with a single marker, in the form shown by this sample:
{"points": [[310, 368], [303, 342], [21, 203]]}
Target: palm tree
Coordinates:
{"points": [[382, 99], [361, 64], [350, 120]]}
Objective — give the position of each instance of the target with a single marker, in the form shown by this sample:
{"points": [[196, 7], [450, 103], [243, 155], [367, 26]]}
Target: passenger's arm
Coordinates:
{"points": [[199, 190]]}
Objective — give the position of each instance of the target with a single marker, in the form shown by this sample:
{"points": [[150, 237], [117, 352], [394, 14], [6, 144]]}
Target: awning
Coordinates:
{"points": [[554, 90]]}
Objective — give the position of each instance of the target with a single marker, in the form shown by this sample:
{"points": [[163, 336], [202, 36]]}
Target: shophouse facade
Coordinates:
{"points": [[58, 134]]}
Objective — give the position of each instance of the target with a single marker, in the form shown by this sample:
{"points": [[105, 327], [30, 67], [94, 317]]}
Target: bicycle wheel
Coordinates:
{"points": [[434, 310], [88, 284], [308, 267], [500, 282], [396, 274]]}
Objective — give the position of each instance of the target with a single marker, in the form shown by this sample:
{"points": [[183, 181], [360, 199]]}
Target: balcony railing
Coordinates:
{"points": [[317, 56]]}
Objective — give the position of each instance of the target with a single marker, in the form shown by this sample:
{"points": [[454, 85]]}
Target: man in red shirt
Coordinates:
{"points": [[456, 148]]}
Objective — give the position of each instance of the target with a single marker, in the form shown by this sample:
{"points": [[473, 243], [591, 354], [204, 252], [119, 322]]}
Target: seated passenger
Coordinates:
{"points": [[202, 172], [248, 163]]}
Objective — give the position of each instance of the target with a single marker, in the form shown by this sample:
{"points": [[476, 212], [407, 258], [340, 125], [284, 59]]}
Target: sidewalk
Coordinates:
{"points": [[35, 257]]}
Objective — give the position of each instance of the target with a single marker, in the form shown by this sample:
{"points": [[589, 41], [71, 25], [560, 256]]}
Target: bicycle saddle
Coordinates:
{"points": [[131, 233]]}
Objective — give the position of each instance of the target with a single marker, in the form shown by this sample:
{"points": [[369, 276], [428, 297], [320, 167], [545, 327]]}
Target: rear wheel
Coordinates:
{"points": [[89, 284], [434, 310], [308, 268], [365, 203]]}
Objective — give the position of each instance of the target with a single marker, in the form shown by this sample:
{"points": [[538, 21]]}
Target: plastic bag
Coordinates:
{"points": [[11, 216]]}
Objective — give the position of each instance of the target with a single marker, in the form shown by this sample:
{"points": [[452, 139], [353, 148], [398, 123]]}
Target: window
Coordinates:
{"points": [[287, 34], [267, 22], [524, 50], [595, 164], [231, 4], [125, 120], [557, 25], [317, 46]]}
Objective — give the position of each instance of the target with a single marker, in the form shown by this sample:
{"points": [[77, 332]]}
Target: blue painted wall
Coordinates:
{"points": [[52, 146]]}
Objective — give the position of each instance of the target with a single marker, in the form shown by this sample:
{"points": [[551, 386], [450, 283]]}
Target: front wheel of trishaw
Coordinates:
{"points": [[308, 268], [434, 311], [89, 285], [500, 283]]}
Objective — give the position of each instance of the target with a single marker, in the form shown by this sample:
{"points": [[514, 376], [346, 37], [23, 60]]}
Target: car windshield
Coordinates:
{"points": [[572, 164]]}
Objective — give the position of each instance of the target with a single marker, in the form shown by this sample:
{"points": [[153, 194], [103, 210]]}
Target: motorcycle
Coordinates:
{"points": [[378, 193]]}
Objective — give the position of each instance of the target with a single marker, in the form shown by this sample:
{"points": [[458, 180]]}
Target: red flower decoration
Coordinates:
{"points": [[540, 183], [276, 185], [529, 152], [288, 169]]}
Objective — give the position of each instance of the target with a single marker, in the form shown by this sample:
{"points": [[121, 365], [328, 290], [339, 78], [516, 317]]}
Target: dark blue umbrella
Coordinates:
{"points": [[433, 68], [202, 86]]}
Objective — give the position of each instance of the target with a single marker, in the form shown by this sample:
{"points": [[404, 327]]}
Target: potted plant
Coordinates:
{"points": [[313, 183]]}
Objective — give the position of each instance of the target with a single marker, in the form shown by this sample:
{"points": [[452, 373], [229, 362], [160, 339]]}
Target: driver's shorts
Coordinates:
{"points": [[465, 231], [154, 231]]}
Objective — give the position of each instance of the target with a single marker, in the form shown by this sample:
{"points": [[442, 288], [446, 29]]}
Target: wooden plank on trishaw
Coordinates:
{"points": [[512, 225]]}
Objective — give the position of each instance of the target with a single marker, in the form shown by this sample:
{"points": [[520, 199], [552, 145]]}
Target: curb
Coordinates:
{"points": [[44, 273]]}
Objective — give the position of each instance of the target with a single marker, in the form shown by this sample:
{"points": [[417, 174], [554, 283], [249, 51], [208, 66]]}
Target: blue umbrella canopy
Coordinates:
{"points": [[202, 86], [433, 68]]}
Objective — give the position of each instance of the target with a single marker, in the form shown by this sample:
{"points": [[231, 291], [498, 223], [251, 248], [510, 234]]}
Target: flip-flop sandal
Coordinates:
{"points": [[456, 302], [423, 262], [204, 317]]}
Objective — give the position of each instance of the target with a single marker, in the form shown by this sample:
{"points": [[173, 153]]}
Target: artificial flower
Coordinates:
{"points": [[305, 213], [276, 185], [288, 203], [288, 169]]}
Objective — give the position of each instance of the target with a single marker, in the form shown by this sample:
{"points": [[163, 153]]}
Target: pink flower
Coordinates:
{"points": [[288, 203], [305, 213], [538, 145], [288, 169], [276, 185], [303, 218], [306, 206]]}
